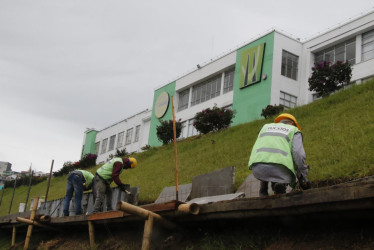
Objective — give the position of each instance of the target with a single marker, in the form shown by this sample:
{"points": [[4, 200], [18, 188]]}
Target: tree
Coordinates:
{"points": [[165, 131], [213, 119], [327, 78]]}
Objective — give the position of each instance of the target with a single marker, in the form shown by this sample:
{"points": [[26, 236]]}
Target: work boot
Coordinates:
{"points": [[263, 189], [279, 188]]}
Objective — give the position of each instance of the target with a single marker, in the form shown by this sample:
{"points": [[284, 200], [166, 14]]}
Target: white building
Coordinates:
{"points": [[272, 69]]}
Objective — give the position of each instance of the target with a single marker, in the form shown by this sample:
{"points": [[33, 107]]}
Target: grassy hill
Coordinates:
{"points": [[338, 140]]}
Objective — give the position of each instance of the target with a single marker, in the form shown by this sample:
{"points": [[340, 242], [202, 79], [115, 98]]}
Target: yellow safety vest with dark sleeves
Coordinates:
{"points": [[106, 171], [274, 145]]}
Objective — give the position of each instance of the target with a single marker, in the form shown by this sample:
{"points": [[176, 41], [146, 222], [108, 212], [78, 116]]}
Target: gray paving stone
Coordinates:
{"points": [[169, 193], [251, 187], [218, 182], [224, 197]]}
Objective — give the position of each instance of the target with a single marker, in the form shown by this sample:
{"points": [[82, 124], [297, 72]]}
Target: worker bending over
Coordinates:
{"points": [[104, 176], [78, 181], [278, 156]]}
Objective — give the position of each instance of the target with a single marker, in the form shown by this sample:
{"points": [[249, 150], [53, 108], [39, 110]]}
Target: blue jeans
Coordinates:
{"points": [[74, 184]]}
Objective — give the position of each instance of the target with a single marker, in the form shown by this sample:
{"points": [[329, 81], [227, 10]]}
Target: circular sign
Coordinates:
{"points": [[162, 104]]}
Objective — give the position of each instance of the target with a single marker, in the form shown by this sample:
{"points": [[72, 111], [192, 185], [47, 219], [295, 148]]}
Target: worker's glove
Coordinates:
{"points": [[304, 183], [125, 188]]}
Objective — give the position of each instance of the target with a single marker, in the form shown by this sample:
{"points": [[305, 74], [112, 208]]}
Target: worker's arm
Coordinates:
{"points": [[116, 171], [298, 154]]}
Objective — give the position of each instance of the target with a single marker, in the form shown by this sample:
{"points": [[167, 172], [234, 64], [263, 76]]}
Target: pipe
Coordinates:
{"points": [[45, 218], [147, 235], [144, 214], [29, 228], [49, 181], [192, 208]]}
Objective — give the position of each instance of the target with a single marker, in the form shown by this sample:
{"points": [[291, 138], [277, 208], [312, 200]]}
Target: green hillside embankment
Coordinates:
{"points": [[338, 140]]}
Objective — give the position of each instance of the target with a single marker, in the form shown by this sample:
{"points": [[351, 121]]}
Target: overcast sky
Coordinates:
{"points": [[69, 65]]}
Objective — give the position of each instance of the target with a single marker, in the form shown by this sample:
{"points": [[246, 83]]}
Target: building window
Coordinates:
{"points": [[137, 132], [345, 51], [183, 99], [289, 65], [111, 142], [97, 147], [183, 131], [191, 128], [120, 139], [228, 81], [129, 136], [206, 90], [368, 45], [103, 145], [287, 100]]}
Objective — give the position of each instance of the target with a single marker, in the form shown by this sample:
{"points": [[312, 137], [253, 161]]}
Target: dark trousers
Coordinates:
{"points": [[74, 185], [101, 189]]}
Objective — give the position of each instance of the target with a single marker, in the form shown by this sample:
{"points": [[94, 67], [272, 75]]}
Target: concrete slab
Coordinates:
{"points": [[168, 193], [211, 199], [214, 183], [251, 187]]}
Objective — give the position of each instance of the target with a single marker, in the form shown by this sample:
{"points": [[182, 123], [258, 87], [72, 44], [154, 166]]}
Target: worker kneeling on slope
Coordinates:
{"points": [[78, 181], [278, 156], [104, 176]]}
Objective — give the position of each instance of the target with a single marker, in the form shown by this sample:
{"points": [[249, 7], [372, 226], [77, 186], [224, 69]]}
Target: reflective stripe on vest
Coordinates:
{"points": [[106, 171], [274, 145]]}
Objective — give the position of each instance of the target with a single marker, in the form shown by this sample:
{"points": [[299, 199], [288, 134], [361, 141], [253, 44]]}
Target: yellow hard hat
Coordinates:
{"points": [[133, 162], [287, 116]]}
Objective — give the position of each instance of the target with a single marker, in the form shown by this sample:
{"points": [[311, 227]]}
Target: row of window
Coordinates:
{"points": [[120, 138], [345, 51], [206, 90]]}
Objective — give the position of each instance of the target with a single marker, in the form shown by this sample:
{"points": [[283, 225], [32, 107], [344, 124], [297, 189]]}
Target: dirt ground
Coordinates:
{"points": [[277, 235]]}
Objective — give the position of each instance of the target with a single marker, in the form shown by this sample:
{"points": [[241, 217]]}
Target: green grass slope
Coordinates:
{"points": [[338, 134]]}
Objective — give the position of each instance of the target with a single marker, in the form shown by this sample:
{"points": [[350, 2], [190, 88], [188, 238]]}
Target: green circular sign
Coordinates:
{"points": [[162, 104]]}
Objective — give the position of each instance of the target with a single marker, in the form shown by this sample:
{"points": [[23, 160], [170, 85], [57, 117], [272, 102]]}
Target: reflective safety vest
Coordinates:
{"points": [[274, 145], [106, 171], [87, 176]]}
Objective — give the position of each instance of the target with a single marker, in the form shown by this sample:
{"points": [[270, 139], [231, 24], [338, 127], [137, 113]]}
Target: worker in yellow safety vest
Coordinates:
{"points": [[105, 175], [278, 156]]}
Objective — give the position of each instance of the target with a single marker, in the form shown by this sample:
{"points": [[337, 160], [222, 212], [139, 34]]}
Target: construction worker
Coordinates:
{"points": [[78, 180], [104, 176], [278, 156]]}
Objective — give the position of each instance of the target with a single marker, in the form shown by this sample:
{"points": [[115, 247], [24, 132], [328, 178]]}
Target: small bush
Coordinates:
{"points": [[146, 147], [271, 110], [87, 161], [213, 119], [121, 153], [327, 78], [165, 131]]}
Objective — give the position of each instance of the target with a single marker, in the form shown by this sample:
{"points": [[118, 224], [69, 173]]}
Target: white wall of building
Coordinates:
{"points": [[141, 119], [353, 29], [279, 82], [212, 69]]}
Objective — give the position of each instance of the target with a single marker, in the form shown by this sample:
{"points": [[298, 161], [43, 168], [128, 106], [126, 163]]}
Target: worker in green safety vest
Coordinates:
{"points": [[278, 156], [78, 181], [104, 176]]}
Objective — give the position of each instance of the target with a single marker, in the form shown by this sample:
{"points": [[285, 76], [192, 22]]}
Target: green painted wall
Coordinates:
{"points": [[152, 139], [89, 143], [249, 101]]}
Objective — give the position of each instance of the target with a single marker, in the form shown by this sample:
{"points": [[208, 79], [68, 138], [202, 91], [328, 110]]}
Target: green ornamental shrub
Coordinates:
{"points": [[165, 131], [271, 110], [213, 119], [327, 78]]}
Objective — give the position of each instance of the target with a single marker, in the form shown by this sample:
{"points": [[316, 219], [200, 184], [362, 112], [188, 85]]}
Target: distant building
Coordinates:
{"points": [[272, 69], [5, 166]]}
